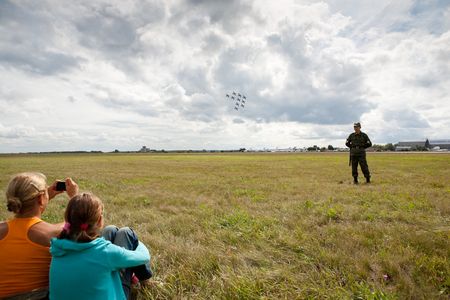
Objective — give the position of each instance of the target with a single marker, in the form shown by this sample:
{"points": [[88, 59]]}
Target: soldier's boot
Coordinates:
{"points": [[368, 179], [355, 180]]}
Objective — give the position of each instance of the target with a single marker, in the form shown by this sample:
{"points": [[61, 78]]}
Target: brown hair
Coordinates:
{"points": [[82, 217], [23, 189]]}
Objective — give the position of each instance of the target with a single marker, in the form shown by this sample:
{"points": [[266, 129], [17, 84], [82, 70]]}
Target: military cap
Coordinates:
{"points": [[356, 124]]}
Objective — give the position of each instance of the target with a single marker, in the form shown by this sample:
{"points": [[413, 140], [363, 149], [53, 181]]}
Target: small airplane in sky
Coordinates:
{"points": [[238, 98]]}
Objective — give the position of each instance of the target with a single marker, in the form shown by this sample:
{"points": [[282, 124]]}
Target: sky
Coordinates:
{"points": [[105, 75]]}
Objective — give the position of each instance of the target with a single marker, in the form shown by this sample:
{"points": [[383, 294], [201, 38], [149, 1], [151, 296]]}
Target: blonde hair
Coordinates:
{"points": [[82, 216], [23, 189]]}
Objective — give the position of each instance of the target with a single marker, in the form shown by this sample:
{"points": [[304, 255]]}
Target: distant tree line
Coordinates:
{"points": [[321, 149], [386, 147], [375, 147]]}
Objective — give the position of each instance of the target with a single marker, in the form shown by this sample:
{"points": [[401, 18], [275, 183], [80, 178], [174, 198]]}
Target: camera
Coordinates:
{"points": [[60, 185]]}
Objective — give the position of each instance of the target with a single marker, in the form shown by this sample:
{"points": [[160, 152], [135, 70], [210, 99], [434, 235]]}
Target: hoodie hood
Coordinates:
{"points": [[61, 247]]}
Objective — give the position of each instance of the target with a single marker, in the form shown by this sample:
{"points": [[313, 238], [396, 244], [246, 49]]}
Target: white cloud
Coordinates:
{"points": [[100, 75]]}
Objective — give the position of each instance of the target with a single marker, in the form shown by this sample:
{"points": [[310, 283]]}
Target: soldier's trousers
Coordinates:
{"points": [[361, 160]]}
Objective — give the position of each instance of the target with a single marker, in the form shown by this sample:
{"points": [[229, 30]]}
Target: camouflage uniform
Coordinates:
{"points": [[358, 144]]}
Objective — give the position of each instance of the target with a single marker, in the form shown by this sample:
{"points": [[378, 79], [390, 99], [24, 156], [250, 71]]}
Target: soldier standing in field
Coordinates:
{"points": [[358, 141]]}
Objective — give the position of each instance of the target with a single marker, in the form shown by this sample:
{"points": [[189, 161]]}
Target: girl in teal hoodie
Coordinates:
{"points": [[85, 265]]}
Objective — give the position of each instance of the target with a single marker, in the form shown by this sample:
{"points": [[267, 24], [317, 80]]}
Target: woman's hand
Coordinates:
{"points": [[52, 192], [71, 187]]}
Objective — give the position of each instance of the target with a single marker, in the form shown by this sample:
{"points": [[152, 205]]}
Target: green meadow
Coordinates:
{"points": [[270, 226]]}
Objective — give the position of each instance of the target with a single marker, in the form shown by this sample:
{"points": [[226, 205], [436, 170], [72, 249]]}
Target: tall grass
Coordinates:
{"points": [[272, 226]]}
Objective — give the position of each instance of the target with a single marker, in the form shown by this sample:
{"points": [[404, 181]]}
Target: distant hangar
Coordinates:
{"points": [[436, 145]]}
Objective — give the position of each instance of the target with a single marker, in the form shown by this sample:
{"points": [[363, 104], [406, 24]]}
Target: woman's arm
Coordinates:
{"points": [[42, 232], [3, 230]]}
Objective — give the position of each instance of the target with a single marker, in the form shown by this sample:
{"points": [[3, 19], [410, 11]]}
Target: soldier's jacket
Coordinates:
{"points": [[358, 143]]}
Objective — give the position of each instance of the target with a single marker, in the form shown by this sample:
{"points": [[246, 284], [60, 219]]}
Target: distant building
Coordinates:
{"points": [[144, 149], [412, 146], [440, 144], [423, 145]]}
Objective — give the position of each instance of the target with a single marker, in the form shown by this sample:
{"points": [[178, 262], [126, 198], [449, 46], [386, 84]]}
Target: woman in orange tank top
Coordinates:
{"points": [[25, 239]]}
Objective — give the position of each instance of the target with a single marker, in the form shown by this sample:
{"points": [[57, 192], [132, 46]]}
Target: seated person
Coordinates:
{"points": [[87, 266], [125, 237], [25, 239]]}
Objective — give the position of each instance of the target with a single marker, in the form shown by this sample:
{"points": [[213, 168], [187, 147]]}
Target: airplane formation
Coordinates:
{"points": [[238, 98]]}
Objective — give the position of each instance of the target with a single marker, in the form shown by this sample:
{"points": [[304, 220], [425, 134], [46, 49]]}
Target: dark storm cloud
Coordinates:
{"points": [[28, 36]]}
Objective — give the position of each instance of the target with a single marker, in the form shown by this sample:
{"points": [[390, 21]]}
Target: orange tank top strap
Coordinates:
{"points": [[18, 227]]}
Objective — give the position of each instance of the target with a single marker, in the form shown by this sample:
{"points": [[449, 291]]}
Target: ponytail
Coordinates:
{"points": [[82, 216]]}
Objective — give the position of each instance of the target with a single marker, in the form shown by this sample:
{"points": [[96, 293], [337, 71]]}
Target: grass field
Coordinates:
{"points": [[271, 226]]}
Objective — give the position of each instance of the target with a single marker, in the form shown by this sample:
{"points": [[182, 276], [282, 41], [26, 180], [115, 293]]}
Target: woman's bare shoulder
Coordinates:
{"points": [[42, 232]]}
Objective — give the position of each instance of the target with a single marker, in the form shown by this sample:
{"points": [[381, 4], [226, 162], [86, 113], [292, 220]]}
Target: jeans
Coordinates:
{"points": [[125, 237]]}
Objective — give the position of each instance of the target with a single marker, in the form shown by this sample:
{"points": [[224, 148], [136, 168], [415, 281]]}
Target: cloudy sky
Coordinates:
{"points": [[105, 75]]}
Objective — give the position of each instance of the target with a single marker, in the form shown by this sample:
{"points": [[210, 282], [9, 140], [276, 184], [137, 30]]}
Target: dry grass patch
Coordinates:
{"points": [[272, 226]]}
